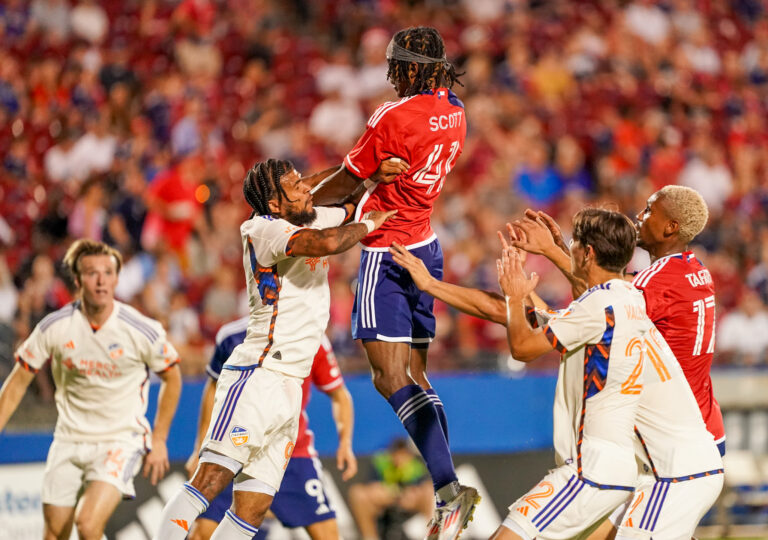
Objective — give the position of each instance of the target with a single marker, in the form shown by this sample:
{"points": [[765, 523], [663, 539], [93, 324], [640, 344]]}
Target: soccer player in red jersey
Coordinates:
{"points": [[424, 133], [678, 289], [679, 292]]}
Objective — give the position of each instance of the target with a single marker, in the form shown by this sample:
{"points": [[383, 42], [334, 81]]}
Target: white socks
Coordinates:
{"points": [[233, 527], [179, 514]]}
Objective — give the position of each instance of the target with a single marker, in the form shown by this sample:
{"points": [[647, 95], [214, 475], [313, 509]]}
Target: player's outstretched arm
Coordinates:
{"points": [[337, 185], [333, 240], [478, 303], [156, 462], [12, 391], [525, 343], [206, 408], [344, 417]]}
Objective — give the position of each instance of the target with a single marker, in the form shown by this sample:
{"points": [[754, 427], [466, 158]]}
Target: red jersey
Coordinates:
{"points": [[428, 131], [326, 376], [680, 300]]}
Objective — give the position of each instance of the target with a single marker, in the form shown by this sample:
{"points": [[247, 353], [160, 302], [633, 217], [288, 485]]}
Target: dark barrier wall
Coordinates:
{"points": [[487, 414]]}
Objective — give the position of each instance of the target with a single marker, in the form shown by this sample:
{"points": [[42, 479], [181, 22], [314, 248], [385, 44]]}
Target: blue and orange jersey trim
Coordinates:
{"points": [[289, 243], [595, 374], [676, 479], [554, 341], [25, 365]]}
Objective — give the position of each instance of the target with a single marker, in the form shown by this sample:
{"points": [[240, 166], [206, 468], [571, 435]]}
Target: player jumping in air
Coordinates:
{"points": [[425, 129]]}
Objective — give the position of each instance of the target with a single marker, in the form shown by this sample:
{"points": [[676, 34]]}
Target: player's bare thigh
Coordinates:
{"points": [[606, 531], [58, 521], [390, 364], [94, 509]]}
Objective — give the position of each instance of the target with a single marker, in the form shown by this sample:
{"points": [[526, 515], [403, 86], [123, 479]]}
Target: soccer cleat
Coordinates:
{"points": [[450, 519]]}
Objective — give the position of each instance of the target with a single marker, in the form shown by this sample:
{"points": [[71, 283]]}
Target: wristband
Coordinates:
{"points": [[369, 224]]}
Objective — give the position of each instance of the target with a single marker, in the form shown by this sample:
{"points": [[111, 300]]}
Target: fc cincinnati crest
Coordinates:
{"points": [[115, 351], [238, 435]]}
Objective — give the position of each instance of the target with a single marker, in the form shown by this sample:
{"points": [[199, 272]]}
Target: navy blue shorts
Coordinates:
{"points": [[300, 502], [388, 306]]}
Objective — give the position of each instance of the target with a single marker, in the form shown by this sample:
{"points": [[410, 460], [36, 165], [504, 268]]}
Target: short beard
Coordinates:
{"points": [[301, 219]]}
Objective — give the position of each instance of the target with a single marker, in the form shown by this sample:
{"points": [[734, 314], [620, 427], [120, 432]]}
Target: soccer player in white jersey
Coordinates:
{"points": [[682, 476], [593, 418], [101, 352], [256, 409]]}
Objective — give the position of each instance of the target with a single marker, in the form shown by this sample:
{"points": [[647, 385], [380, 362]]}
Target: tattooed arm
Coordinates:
{"points": [[321, 242]]}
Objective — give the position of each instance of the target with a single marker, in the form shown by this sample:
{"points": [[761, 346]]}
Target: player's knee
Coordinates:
{"points": [[388, 382], [210, 479], [88, 528]]}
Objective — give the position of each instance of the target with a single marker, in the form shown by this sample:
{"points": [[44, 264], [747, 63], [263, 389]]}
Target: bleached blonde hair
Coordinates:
{"points": [[686, 206]]}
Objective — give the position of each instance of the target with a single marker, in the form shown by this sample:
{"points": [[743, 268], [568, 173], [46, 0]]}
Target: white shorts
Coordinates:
{"points": [[255, 421], [667, 510], [562, 506], [71, 465]]}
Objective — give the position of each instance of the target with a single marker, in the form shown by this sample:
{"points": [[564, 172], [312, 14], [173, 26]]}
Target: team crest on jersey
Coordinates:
{"points": [[115, 351], [238, 436]]}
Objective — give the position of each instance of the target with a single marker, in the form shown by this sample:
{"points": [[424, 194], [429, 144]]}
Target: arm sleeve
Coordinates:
{"points": [[161, 355], [329, 217], [34, 352], [268, 240], [380, 141], [575, 327], [326, 374]]}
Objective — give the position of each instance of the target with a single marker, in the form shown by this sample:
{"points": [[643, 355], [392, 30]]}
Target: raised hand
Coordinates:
{"points": [[531, 234], [512, 279], [554, 229], [415, 266]]}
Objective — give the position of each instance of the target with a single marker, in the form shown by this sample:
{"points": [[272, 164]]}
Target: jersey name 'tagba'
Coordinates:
{"points": [[101, 375], [680, 300], [325, 375], [288, 296], [428, 131]]}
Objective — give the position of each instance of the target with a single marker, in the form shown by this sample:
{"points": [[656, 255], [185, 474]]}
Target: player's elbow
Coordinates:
{"points": [[521, 352]]}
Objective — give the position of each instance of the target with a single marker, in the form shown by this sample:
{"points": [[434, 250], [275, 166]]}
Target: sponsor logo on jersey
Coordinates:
{"points": [[115, 351], [239, 436]]}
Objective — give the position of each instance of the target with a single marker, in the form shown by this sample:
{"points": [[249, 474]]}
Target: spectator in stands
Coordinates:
{"points": [[743, 333], [399, 484]]}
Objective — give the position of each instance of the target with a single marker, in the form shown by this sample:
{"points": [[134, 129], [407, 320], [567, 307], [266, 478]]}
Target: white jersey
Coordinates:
{"points": [[594, 415], [101, 374], [288, 296], [669, 424]]}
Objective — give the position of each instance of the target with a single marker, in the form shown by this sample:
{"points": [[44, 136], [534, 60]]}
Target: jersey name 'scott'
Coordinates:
{"points": [[428, 131], [680, 300], [288, 297], [593, 418], [101, 375]]}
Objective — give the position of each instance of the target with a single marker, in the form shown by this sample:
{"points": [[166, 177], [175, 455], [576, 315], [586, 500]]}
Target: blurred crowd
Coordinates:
{"points": [[134, 121]]}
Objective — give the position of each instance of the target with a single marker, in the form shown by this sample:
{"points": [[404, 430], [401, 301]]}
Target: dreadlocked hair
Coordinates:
{"points": [[262, 183], [427, 41]]}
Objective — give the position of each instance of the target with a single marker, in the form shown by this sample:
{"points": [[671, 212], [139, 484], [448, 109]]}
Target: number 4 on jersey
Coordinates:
{"points": [[432, 172]]}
